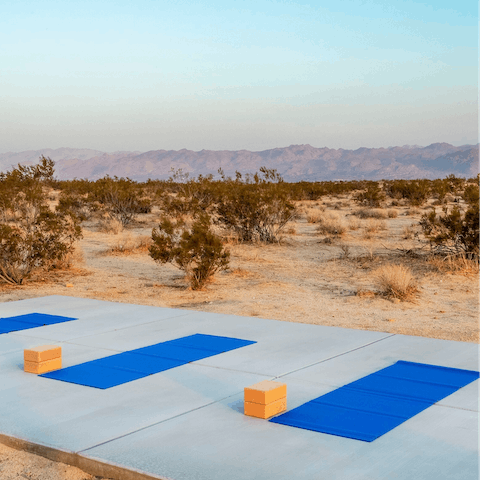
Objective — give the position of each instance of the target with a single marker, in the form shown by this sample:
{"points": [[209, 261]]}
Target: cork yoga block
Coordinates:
{"points": [[42, 353], [42, 367], [265, 392], [265, 411]]}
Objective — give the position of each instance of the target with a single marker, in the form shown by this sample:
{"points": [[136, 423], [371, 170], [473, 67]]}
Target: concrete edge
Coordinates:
{"points": [[94, 467]]}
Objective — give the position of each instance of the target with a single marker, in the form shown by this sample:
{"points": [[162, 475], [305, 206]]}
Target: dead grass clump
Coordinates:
{"points": [[373, 226], [370, 213], [331, 225], [457, 264], [392, 213], [110, 225], [413, 211], [396, 281], [408, 232], [71, 259], [314, 215], [128, 244], [353, 223], [243, 273]]}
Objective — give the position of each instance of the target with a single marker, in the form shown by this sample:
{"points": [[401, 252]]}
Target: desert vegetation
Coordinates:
{"points": [[348, 253]]}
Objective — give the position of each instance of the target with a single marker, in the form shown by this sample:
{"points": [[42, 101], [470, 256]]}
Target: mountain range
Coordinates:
{"points": [[294, 163]]}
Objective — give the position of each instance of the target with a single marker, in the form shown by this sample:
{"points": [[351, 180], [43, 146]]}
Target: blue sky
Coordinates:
{"points": [[147, 75]]}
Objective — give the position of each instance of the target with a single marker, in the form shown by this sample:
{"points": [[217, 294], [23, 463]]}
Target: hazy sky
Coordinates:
{"points": [[153, 74]]}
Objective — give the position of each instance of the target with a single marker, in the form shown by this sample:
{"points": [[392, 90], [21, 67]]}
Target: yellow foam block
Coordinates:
{"points": [[265, 411], [43, 367], [265, 392], [42, 353]]}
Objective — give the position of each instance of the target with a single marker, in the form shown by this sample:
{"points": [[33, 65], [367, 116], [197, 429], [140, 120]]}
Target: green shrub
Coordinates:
{"points": [[188, 196], [256, 208], [196, 251], [372, 196], [32, 236], [415, 192], [453, 232]]}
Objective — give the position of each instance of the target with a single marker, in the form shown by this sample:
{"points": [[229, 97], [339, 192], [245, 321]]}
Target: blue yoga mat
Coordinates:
{"points": [[30, 320], [372, 406], [124, 367]]}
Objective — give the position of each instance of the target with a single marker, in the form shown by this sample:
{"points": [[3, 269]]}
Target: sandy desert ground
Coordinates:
{"points": [[308, 277]]}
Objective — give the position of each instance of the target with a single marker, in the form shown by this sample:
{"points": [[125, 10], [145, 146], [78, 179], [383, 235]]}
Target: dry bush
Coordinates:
{"points": [[396, 281], [291, 230], [370, 213], [73, 258], [457, 264], [353, 223], [110, 225], [346, 252], [408, 232], [392, 213], [314, 215], [413, 212], [331, 225], [129, 244], [373, 226]]}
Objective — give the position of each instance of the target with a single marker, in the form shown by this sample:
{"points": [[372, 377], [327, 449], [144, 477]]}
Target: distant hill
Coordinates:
{"points": [[294, 163]]}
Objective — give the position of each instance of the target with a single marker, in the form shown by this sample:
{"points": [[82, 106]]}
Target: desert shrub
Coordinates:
{"points": [[34, 237], [372, 196], [370, 213], [471, 195], [457, 264], [314, 215], [353, 223], [120, 198], [373, 225], [331, 225], [408, 232], [392, 213], [454, 232], [415, 192], [188, 196], [110, 225], [197, 251], [455, 184], [128, 244], [413, 211], [74, 204], [255, 207], [396, 281]]}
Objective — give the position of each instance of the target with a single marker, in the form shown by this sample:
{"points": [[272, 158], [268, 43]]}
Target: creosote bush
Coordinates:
{"points": [[197, 251], [372, 196], [32, 236], [455, 232], [256, 208], [396, 281]]}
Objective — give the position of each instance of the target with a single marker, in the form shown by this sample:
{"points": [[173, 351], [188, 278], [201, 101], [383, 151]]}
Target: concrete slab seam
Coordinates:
{"points": [[334, 356], [106, 331], [161, 421]]}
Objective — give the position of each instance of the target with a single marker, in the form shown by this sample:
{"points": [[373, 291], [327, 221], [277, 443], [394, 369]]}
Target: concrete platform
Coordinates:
{"points": [[187, 423]]}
